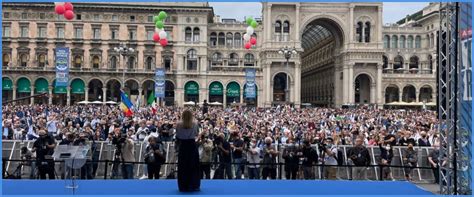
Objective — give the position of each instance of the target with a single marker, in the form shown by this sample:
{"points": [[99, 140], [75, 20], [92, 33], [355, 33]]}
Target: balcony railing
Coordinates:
{"points": [[85, 69], [407, 71]]}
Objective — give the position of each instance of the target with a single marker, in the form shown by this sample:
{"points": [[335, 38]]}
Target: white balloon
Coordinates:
{"points": [[250, 30], [58, 3], [163, 34], [158, 30], [246, 37]]}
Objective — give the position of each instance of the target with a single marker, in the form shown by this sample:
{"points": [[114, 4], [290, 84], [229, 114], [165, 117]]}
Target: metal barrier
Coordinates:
{"points": [[104, 160]]}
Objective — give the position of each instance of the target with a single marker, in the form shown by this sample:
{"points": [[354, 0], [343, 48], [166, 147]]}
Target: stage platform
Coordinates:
{"points": [[213, 187]]}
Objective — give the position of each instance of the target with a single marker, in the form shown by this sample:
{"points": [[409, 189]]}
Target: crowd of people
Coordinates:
{"points": [[237, 135]]}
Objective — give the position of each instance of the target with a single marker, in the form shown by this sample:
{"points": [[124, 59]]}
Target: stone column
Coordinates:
{"points": [[140, 97], [241, 94], [379, 100], [351, 83], [224, 100], [351, 22], [345, 86], [400, 95], [417, 96], [104, 94], [297, 28], [373, 88], [433, 96], [68, 101], [50, 98], [13, 92], [269, 22], [32, 93], [297, 84], [267, 84], [86, 93]]}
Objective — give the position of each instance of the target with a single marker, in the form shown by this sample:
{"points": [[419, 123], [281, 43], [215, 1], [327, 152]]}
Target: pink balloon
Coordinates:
{"points": [[69, 15], [248, 45], [253, 41], [60, 9], [163, 42], [156, 37], [68, 6]]}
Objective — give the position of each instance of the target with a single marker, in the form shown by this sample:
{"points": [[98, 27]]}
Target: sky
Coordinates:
{"points": [[392, 11]]}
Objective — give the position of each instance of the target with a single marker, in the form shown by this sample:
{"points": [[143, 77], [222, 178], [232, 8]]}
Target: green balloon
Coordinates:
{"points": [[156, 19], [249, 20], [162, 15], [159, 24], [254, 24]]}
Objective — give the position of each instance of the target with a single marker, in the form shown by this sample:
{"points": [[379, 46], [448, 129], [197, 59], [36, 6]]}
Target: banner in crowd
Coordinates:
{"points": [[250, 83], [160, 83], [62, 67]]}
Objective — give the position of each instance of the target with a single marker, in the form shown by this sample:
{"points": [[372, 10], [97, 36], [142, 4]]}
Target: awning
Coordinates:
{"points": [[233, 89], [23, 85], [41, 86], [77, 86], [216, 89], [191, 88], [59, 90], [7, 84]]}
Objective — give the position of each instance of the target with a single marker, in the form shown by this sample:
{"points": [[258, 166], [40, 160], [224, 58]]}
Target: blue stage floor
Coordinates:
{"points": [[212, 187]]}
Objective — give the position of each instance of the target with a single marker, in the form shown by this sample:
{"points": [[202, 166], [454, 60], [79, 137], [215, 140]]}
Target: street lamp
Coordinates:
{"points": [[287, 52], [123, 51]]}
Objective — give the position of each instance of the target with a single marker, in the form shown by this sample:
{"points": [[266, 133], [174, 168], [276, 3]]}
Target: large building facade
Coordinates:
{"points": [[345, 54]]}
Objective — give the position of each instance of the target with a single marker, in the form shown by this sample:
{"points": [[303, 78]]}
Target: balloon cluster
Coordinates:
{"points": [[160, 34], [65, 9], [249, 39]]}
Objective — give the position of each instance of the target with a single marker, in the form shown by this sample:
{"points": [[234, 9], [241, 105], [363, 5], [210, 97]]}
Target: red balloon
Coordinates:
{"points": [[248, 45], [60, 9], [164, 42], [69, 15], [156, 37], [68, 6], [253, 41]]}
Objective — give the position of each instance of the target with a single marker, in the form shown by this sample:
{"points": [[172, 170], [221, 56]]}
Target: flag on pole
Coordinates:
{"points": [[151, 101], [126, 105]]}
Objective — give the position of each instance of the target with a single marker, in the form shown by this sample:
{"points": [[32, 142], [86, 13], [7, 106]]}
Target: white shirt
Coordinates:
{"points": [[331, 160], [254, 158]]}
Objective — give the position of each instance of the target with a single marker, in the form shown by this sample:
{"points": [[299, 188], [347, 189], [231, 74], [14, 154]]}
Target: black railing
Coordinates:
{"points": [[112, 169]]}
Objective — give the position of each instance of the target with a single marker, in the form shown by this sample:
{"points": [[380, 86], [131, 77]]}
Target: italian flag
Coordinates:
{"points": [[151, 101]]}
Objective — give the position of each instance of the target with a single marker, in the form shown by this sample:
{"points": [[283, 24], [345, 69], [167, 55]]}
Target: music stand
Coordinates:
{"points": [[74, 158]]}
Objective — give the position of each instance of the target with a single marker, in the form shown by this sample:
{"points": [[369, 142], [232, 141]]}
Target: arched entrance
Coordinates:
{"points": [[233, 93], [169, 93], [362, 89], [409, 94], [322, 40], [77, 91], [7, 89], [250, 101], [113, 90], [426, 94], [23, 89], [392, 94], [41, 87], [191, 91], [148, 92], [216, 92], [95, 90], [132, 90], [59, 94], [280, 90]]}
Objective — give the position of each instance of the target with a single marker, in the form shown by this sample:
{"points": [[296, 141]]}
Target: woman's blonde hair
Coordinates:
{"points": [[187, 119]]}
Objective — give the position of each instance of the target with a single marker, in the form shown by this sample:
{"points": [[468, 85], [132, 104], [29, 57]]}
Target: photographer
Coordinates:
{"points": [[360, 157], [410, 159], [166, 132], [310, 158], [27, 160], [291, 155], [44, 148], [86, 170], [154, 158], [329, 152], [224, 152], [269, 160], [124, 154]]}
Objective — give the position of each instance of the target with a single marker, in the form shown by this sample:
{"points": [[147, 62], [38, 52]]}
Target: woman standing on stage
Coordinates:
{"points": [[189, 178]]}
